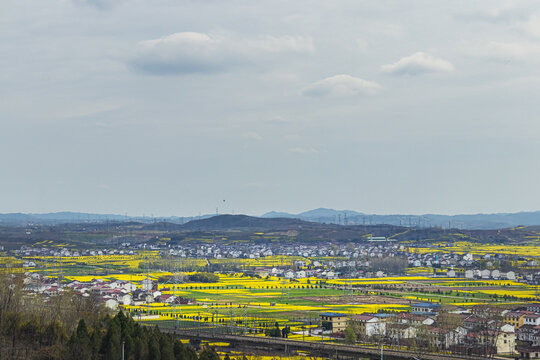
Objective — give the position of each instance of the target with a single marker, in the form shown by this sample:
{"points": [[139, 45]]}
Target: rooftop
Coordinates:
{"points": [[427, 305], [333, 314]]}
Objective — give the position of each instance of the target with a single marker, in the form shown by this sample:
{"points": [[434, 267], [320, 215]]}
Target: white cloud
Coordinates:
{"points": [[192, 52], [291, 137], [303, 150], [342, 85], [256, 185], [506, 51], [513, 50], [251, 135], [277, 120], [506, 13], [100, 4], [272, 44], [532, 27], [389, 29], [417, 64], [361, 45]]}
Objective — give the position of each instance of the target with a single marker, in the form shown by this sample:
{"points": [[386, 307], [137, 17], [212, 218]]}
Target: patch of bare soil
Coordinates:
{"points": [[364, 299]]}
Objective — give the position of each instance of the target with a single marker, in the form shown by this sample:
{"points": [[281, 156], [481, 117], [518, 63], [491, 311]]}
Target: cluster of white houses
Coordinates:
{"points": [[481, 330], [477, 330], [112, 293]]}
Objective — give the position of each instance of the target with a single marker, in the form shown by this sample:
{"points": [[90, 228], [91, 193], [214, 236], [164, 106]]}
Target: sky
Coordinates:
{"points": [[179, 107]]}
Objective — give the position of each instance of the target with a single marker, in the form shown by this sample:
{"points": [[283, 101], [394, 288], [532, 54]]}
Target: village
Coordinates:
{"points": [[460, 302]]}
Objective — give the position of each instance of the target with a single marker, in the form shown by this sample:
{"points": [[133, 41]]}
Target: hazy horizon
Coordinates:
{"points": [[150, 215]]}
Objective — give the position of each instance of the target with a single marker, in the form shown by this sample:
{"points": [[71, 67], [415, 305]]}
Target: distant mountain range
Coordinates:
{"points": [[321, 215], [473, 221], [79, 217], [315, 214]]}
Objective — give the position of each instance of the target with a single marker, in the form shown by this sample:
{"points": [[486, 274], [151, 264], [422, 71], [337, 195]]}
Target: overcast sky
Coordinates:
{"points": [[170, 107]]}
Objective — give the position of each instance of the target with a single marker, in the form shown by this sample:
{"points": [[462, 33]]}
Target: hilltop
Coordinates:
{"points": [[236, 222]]}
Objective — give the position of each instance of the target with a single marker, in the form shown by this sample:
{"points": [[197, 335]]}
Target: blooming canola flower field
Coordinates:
{"points": [[463, 247], [262, 300], [238, 297]]}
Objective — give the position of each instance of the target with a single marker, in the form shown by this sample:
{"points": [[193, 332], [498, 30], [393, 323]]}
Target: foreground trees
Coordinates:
{"points": [[68, 326], [139, 342], [39, 326]]}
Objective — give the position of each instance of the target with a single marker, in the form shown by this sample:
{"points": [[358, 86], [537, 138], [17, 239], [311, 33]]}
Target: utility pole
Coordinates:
{"points": [[123, 342], [59, 274], [148, 279], [245, 320], [216, 319], [288, 291], [176, 305], [232, 322]]}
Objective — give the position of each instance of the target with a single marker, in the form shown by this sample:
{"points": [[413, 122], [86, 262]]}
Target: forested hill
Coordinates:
{"points": [[232, 222]]}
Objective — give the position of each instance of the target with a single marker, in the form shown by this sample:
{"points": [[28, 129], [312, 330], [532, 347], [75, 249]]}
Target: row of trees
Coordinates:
{"points": [[390, 265], [175, 264], [277, 332], [204, 277]]}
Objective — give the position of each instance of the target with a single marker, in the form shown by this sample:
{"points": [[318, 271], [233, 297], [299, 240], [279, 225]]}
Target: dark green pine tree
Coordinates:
{"points": [[141, 348], [129, 347], [153, 348], [183, 352], [126, 324], [95, 344], [208, 354], [166, 347], [111, 347], [79, 344]]}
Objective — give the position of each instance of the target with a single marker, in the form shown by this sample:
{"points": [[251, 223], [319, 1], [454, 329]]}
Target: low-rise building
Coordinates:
{"points": [[337, 321], [531, 352], [368, 325], [532, 319], [515, 318], [506, 340], [425, 308]]}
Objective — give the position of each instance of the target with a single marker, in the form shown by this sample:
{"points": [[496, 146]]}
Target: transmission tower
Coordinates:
{"points": [[232, 332]]}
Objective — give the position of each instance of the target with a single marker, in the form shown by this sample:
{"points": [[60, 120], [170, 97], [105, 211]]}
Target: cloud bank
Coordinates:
{"points": [[505, 51], [342, 85], [193, 52], [304, 150], [417, 64]]}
